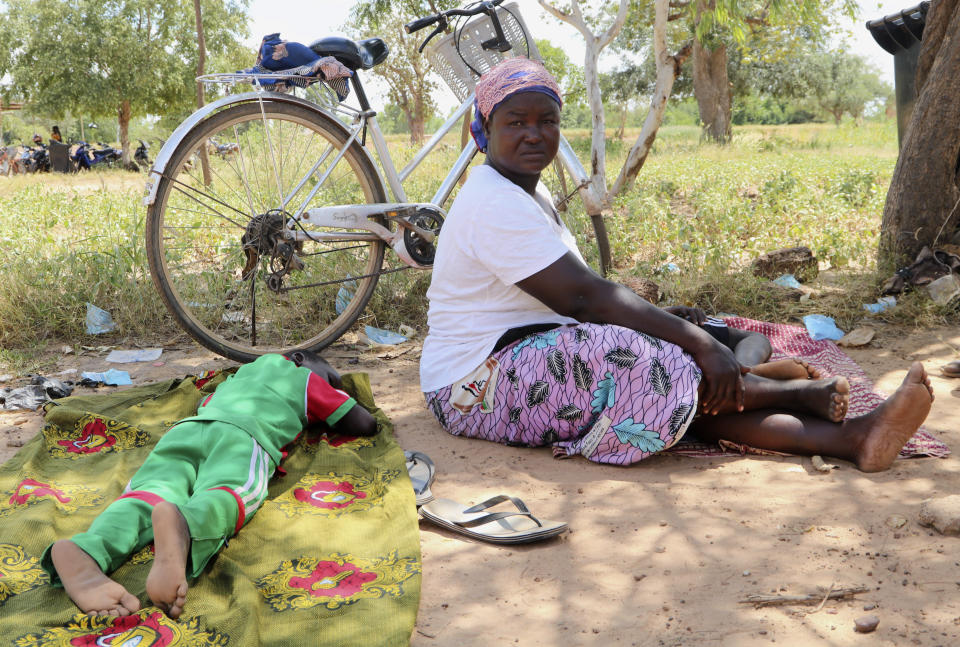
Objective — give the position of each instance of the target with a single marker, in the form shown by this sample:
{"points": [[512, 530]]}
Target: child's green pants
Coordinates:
{"points": [[215, 473]]}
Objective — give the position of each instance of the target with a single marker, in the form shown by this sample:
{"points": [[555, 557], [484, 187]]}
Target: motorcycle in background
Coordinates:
{"points": [[140, 155], [34, 159], [86, 157]]}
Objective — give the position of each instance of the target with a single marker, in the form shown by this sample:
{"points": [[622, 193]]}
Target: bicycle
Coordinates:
{"points": [[279, 244]]}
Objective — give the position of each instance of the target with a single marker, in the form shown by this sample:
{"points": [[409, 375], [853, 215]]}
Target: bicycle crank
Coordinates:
{"points": [[421, 250]]}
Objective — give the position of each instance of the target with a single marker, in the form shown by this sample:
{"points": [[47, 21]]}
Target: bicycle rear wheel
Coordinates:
{"points": [[221, 293]]}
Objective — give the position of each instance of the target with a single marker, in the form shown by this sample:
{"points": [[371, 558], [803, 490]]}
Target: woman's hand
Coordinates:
{"points": [[693, 315], [569, 288], [722, 379]]}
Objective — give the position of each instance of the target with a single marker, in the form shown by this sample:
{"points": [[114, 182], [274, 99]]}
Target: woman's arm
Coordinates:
{"points": [[569, 288]]}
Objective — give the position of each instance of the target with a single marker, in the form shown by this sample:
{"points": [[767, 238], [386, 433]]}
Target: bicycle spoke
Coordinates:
{"points": [[211, 209], [197, 246]]}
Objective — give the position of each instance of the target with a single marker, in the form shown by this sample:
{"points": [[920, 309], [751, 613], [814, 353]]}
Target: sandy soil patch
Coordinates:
{"points": [[663, 553]]}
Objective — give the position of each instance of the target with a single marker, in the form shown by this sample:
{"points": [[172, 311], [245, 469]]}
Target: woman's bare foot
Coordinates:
{"points": [[786, 369], [887, 428], [92, 591], [167, 581]]}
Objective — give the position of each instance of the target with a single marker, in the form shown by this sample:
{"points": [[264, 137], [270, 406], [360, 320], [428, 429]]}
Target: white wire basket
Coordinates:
{"points": [[453, 55]]}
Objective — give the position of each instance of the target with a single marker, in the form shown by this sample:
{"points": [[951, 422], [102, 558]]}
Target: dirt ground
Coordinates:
{"points": [[664, 552]]}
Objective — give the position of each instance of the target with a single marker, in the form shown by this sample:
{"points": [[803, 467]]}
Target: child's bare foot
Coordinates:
{"points": [[793, 368], [92, 591], [827, 399], [887, 428], [167, 581]]}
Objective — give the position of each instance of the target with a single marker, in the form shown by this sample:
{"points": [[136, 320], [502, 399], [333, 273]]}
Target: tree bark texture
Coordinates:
{"points": [[598, 198], [123, 120], [924, 195], [711, 87], [668, 68]]}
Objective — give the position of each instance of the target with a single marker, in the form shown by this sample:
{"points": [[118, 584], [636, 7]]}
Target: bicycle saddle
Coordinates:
{"points": [[355, 54]]}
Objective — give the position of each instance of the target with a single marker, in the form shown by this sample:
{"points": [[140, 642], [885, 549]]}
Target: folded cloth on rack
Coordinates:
{"points": [[332, 557], [278, 56]]}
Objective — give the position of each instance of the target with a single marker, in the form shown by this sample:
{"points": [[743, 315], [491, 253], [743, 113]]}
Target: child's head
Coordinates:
{"points": [[311, 360]]}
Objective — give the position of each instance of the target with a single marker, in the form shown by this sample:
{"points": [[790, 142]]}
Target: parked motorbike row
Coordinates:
{"points": [[36, 158]]}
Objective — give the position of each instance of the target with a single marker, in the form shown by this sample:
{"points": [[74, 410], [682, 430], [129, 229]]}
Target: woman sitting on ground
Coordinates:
{"points": [[528, 346]]}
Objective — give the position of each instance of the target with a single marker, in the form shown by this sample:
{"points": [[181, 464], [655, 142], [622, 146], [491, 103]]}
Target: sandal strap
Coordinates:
{"points": [[494, 516], [500, 498]]}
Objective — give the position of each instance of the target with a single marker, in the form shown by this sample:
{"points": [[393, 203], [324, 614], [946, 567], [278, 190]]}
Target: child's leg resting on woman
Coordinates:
{"points": [[871, 441]]}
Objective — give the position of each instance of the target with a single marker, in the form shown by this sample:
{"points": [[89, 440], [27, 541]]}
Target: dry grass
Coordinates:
{"points": [[707, 210]]}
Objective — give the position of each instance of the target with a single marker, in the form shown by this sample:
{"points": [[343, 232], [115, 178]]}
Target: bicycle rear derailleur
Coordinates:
{"points": [[265, 236]]}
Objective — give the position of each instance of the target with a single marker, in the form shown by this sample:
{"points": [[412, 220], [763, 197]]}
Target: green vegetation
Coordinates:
{"points": [[707, 209]]}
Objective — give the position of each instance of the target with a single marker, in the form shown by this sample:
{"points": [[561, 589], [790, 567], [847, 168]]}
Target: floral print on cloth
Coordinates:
{"points": [[606, 392]]}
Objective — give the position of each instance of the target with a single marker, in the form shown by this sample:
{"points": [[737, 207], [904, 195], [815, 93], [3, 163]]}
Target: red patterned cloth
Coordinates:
{"points": [[793, 341]]}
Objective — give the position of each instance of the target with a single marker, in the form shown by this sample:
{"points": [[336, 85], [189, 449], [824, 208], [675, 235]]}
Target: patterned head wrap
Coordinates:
{"points": [[512, 76]]}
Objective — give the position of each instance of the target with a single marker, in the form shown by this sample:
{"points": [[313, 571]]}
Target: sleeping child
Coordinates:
{"points": [[203, 481]]}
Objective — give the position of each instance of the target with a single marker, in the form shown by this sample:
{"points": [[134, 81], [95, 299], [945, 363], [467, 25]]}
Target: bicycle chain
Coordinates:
{"points": [[352, 278]]}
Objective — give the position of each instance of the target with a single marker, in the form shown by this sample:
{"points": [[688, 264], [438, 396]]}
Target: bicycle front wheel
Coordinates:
{"points": [[216, 240]]}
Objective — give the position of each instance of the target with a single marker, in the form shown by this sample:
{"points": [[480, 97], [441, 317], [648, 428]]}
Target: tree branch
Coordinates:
{"points": [[575, 18], [615, 28], [667, 70]]}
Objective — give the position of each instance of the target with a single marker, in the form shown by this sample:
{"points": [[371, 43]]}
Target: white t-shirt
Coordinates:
{"points": [[495, 235]]}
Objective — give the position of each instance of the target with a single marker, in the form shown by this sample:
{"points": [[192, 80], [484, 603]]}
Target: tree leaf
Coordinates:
{"points": [[678, 417], [557, 366], [605, 395], [438, 412], [582, 374], [621, 357], [637, 435], [569, 412], [537, 393], [660, 379], [512, 376], [653, 341]]}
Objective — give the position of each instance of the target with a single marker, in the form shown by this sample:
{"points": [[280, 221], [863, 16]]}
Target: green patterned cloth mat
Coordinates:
{"points": [[332, 558]]}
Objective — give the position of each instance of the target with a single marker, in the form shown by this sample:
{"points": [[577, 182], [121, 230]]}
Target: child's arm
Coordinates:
{"points": [[356, 422]]}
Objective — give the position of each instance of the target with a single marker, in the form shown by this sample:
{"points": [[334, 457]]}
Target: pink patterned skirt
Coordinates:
{"points": [[605, 392]]}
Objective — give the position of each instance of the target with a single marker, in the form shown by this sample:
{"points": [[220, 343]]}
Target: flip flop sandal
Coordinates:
{"points": [[496, 527], [951, 369], [422, 472]]}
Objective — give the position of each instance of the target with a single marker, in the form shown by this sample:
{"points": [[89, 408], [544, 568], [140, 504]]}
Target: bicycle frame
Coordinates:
{"points": [[357, 216]]}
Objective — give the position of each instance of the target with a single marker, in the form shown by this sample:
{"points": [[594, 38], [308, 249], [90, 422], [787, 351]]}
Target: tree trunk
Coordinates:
{"points": [[711, 87], [922, 203], [123, 119], [418, 122], [598, 136], [201, 65]]}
